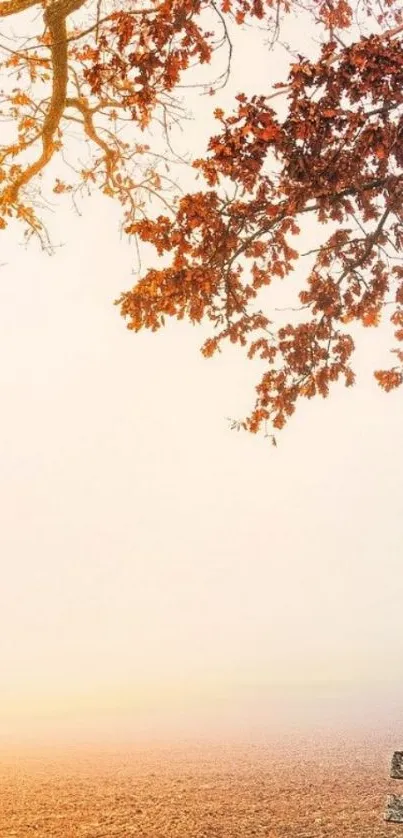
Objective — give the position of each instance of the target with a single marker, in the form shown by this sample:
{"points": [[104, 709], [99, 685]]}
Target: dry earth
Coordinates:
{"points": [[198, 792]]}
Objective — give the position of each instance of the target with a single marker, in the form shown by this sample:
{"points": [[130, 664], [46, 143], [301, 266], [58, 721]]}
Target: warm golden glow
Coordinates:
{"points": [[160, 573]]}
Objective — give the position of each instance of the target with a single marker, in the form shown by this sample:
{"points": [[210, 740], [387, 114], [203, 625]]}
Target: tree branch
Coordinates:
{"points": [[13, 7], [55, 19]]}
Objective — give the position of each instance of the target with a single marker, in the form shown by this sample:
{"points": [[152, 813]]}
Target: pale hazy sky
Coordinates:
{"points": [[158, 571]]}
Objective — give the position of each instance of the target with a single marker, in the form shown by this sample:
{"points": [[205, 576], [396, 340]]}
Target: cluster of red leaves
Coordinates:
{"points": [[338, 155], [134, 65]]}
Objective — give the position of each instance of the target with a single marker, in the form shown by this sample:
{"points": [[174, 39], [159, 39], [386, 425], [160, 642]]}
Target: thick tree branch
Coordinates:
{"points": [[13, 7], [55, 20]]}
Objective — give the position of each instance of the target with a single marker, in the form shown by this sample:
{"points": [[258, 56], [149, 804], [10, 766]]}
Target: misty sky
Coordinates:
{"points": [[160, 572]]}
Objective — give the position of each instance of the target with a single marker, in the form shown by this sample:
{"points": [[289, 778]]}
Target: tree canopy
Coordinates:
{"points": [[325, 143]]}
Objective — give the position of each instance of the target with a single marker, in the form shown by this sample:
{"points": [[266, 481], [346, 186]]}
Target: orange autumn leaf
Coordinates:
{"points": [[389, 379], [371, 318]]}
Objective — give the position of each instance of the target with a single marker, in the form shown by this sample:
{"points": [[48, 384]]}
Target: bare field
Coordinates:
{"points": [[197, 792]]}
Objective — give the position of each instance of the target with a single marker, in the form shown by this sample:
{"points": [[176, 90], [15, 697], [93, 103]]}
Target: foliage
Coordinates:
{"points": [[335, 153]]}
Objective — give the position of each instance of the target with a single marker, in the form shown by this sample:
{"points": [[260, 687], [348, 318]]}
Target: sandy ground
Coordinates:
{"points": [[198, 792]]}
